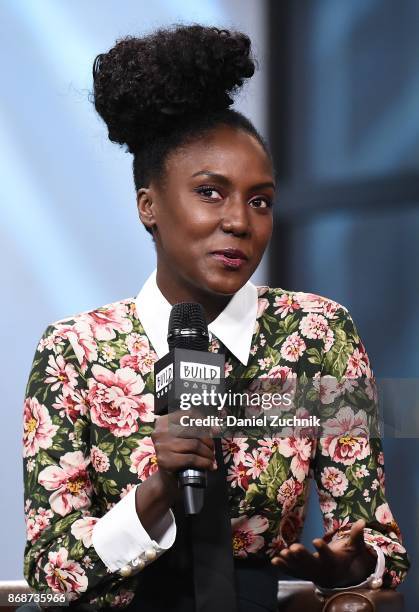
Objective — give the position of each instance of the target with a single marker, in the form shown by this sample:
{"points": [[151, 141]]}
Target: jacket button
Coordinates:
{"points": [[150, 554], [125, 571]]}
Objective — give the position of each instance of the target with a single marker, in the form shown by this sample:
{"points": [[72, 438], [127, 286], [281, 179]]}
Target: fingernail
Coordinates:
{"points": [[214, 465]]}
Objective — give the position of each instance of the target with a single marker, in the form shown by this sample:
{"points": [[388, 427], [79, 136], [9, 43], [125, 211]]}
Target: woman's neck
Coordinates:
{"points": [[174, 293]]}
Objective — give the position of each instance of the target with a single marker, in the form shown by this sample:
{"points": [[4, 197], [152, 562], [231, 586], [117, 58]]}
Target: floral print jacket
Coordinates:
{"points": [[88, 416]]}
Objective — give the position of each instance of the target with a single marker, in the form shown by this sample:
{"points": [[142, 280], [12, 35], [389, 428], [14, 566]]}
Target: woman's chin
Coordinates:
{"points": [[226, 284]]}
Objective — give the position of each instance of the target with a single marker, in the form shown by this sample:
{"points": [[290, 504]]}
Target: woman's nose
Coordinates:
{"points": [[235, 217]]}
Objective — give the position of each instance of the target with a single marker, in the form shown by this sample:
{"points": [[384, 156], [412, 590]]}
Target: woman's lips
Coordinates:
{"points": [[233, 263]]}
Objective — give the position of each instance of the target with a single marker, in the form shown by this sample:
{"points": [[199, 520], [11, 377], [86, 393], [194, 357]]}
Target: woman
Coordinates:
{"points": [[205, 190]]}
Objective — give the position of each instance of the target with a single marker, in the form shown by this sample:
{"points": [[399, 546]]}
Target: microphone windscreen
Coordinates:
{"points": [[188, 327]]}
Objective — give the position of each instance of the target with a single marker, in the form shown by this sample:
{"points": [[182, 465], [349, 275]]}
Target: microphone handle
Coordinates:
{"points": [[193, 483]]}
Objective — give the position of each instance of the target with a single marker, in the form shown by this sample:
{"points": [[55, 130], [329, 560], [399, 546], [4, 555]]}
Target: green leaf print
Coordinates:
{"points": [[274, 475], [44, 459], [118, 462], [106, 447], [289, 325], [336, 360], [252, 492], [350, 475], [315, 355], [109, 487], [77, 551], [61, 525]]}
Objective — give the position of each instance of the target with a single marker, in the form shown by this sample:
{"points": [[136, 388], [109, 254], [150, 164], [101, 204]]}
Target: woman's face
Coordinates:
{"points": [[212, 214]]}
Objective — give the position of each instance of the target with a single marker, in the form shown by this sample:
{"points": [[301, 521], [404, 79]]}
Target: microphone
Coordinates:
{"points": [[188, 369], [188, 329]]}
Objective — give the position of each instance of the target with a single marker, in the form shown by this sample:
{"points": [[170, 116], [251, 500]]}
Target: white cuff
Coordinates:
{"points": [[123, 544], [374, 581]]}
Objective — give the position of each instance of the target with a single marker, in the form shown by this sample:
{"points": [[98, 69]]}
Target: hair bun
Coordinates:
{"points": [[142, 86]]}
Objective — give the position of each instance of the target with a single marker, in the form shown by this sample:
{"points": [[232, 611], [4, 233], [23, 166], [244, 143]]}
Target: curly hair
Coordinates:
{"points": [[171, 87]]}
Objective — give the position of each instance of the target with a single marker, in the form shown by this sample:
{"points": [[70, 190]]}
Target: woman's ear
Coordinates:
{"points": [[145, 207]]}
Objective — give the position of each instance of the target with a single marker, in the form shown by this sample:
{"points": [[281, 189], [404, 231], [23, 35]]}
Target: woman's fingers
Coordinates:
{"points": [[325, 553], [192, 445], [298, 561], [356, 536]]}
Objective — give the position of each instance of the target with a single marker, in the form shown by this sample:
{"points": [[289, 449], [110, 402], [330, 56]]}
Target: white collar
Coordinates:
{"points": [[234, 326]]}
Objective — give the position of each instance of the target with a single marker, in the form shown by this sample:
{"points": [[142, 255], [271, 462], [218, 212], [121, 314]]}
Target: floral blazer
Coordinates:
{"points": [[88, 416]]}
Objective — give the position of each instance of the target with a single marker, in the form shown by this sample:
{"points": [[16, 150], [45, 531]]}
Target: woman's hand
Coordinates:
{"points": [[160, 490], [174, 453], [343, 562]]}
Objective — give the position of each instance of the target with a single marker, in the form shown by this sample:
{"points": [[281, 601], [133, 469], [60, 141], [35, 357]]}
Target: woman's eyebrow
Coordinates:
{"points": [[226, 181]]}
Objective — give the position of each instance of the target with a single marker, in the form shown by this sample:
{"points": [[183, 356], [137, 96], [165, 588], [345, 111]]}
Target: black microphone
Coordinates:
{"points": [[188, 329], [190, 370]]}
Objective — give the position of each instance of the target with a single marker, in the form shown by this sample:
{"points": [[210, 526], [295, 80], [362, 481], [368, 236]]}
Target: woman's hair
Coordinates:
{"points": [[169, 88]]}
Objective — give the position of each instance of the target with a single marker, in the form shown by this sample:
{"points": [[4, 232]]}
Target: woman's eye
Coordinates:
{"points": [[261, 203], [208, 192]]}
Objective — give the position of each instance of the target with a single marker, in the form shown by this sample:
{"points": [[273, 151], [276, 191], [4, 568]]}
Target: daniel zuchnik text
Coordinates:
{"points": [[265, 420]]}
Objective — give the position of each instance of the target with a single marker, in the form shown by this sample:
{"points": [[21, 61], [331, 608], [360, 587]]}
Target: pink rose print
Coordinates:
{"points": [[116, 400], [104, 322], [237, 475], [383, 514], [288, 493], [245, 534], [257, 462], [387, 545], [329, 309], [143, 459], [314, 326], [334, 524], [346, 436], [64, 575], [286, 304], [137, 344], [70, 483], [36, 523], [280, 382], [293, 347], [99, 459], [286, 378], [358, 364], [327, 503], [81, 338], [73, 405], [290, 526], [329, 388], [329, 340], [50, 343], [38, 430], [62, 374], [234, 448], [269, 445], [141, 357], [310, 302], [82, 529], [300, 450], [334, 481], [139, 363]]}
